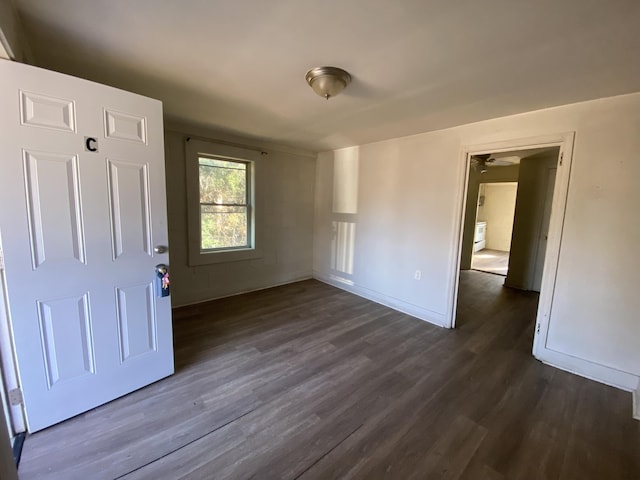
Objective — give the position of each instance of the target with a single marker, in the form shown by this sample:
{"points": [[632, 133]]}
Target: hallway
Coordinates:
{"points": [[491, 261]]}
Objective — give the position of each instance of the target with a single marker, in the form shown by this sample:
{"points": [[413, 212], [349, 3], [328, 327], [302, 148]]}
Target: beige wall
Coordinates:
{"points": [[499, 207], [407, 220], [284, 206], [11, 32]]}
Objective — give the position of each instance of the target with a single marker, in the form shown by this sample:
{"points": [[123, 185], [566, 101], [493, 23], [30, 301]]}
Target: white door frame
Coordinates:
{"points": [[8, 362], [556, 224], [8, 469]]}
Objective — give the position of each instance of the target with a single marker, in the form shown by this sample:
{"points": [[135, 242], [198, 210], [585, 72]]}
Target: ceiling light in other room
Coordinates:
{"points": [[328, 81]]}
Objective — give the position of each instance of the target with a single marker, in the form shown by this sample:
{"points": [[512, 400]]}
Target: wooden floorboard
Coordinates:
{"points": [[491, 261], [306, 381]]}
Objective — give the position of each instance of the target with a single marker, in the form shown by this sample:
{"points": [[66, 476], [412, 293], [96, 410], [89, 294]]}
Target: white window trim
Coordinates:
{"points": [[247, 201], [195, 148]]}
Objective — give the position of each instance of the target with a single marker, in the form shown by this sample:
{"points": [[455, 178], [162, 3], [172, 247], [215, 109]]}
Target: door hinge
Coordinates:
{"points": [[538, 329], [15, 396], [561, 157]]}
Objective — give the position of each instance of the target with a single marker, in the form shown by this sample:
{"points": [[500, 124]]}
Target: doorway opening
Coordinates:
{"points": [[537, 220], [508, 209], [496, 207]]}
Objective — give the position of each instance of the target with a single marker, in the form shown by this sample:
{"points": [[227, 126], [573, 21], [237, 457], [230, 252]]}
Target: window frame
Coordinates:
{"points": [[194, 150], [246, 204]]}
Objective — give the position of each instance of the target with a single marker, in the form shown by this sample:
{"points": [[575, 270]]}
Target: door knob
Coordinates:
{"points": [[160, 249]]}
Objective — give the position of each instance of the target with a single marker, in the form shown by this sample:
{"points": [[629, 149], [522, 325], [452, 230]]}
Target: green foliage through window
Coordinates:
{"points": [[224, 203]]}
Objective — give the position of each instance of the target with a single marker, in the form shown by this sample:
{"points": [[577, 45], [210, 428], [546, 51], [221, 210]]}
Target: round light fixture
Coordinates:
{"points": [[328, 81]]}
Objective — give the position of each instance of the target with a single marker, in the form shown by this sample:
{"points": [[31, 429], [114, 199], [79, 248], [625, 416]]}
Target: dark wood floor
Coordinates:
{"points": [[307, 381]]}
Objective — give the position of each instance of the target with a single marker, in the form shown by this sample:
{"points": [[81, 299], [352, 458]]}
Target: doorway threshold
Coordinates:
{"points": [[492, 272]]}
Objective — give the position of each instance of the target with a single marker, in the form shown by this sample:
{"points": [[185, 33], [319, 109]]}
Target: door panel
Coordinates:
{"points": [[45, 111], [129, 193], [78, 227], [136, 321], [65, 328], [54, 208], [125, 127]]}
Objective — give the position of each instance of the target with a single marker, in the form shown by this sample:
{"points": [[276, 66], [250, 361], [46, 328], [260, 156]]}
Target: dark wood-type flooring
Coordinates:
{"points": [[308, 381]]}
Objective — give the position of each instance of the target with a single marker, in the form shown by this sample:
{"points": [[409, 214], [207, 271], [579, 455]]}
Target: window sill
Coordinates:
{"points": [[224, 256]]}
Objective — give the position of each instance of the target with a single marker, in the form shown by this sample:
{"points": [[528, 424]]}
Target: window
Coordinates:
{"points": [[224, 203], [221, 202]]}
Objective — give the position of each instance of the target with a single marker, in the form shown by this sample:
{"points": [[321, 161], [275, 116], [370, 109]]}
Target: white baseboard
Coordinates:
{"points": [[405, 307], [636, 404], [593, 371], [210, 299]]}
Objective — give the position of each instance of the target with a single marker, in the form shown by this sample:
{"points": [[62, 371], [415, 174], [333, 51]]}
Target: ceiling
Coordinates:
{"points": [[417, 65]]}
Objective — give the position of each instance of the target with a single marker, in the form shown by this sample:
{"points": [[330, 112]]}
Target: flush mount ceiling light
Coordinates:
{"points": [[328, 81]]}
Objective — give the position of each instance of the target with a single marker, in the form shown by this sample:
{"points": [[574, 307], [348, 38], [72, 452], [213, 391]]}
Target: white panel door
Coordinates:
{"points": [[543, 230], [79, 219]]}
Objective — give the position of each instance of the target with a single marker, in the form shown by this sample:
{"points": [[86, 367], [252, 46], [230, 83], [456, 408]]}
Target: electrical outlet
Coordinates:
{"points": [[417, 275]]}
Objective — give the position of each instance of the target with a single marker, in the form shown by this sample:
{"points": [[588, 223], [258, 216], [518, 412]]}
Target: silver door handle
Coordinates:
{"points": [[160, 249]]}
